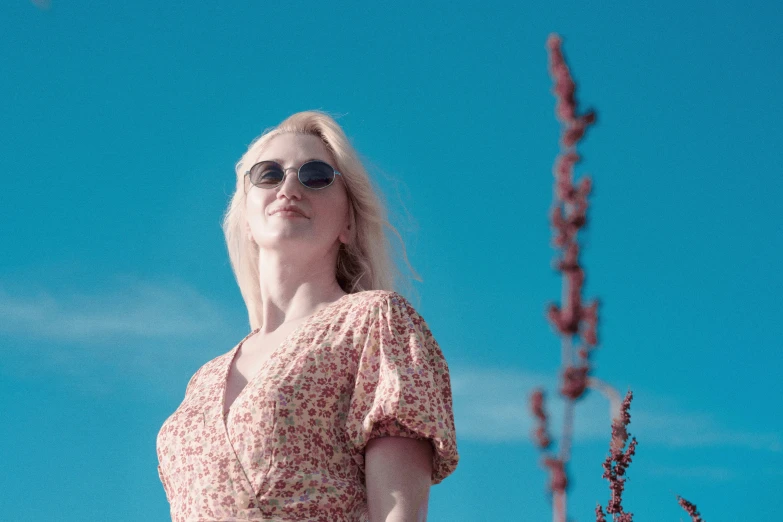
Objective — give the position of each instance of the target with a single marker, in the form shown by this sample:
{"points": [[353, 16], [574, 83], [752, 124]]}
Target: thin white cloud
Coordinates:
{"points": [[43, 5], [491, 405], [132, 308], [681, 429], [711, 473], [151, 326], [153, 334]]}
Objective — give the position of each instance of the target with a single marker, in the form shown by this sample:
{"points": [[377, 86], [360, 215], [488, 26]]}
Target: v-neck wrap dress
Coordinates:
{"points": [[291, 447]]}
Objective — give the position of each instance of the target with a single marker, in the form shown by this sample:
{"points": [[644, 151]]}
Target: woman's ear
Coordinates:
{"points": [[249, 232], [345, 235]]}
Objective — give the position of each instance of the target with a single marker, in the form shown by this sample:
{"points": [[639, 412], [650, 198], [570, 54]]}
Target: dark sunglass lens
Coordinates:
{"points": [[316, 174], [266, 174]]}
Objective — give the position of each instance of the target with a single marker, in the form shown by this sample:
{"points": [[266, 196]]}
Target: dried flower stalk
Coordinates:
{"points": [[568, 215], [577, 320]]}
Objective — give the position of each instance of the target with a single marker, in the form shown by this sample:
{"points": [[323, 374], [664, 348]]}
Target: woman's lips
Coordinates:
{"points": [[288, 213]]}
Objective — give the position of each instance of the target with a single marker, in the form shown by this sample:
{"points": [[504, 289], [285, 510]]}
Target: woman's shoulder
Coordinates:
{"points": [[370, 303], [371, 306], [375, 297]]}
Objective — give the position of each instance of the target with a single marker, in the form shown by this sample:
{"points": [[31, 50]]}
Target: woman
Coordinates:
{"points": [[337, 405]]}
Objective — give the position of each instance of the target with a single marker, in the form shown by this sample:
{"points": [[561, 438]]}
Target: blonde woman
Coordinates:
{"points": [[337, 405]]}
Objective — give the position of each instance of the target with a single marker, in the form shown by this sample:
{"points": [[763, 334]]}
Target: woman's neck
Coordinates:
{"points": [[292, 289]]}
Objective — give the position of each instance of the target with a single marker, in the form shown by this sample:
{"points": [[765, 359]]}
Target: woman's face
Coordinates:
{"points": [[325, 216]]}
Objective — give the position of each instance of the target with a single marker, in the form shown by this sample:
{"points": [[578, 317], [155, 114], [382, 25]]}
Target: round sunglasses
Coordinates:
{"points": [[315, 175]]}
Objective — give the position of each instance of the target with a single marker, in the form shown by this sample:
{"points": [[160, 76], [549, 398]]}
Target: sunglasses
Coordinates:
{"points": [[314, 175]]}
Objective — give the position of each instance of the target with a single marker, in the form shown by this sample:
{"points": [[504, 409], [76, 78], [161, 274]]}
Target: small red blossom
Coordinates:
{"points": [[540, 435], [574, 381], [558, 481]]}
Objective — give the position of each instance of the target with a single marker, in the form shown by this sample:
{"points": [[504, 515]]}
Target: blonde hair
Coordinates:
{"points": [[364, 263]]}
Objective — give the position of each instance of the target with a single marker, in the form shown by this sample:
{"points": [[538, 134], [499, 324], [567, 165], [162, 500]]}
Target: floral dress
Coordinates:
{"points": [[291, 447]]}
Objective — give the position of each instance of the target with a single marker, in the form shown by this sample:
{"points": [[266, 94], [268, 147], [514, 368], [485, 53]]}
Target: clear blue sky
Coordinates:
{"points": [[121, 123]]}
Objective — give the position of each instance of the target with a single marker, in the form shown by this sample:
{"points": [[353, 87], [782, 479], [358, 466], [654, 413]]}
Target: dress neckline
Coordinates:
{"points": [[273, 355]]}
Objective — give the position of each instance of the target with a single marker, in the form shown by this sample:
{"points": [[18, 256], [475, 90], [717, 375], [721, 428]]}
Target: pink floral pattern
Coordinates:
{"points": [[292, 444]]}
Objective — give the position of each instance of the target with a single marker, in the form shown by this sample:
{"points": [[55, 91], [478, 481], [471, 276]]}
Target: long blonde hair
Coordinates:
{"points": [[365, 263]]}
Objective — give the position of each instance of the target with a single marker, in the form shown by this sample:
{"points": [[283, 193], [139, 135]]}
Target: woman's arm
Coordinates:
{"points": [[398, 471]]}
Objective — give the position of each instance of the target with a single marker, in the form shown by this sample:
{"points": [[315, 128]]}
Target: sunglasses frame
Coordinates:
{"points": [[298, 174]]}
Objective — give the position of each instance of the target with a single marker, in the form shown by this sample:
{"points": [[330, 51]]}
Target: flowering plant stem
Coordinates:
{"points": [[575, 321]]}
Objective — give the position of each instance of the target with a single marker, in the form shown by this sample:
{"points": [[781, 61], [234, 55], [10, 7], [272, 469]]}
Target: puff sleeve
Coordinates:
{"points": [[403, 387]]}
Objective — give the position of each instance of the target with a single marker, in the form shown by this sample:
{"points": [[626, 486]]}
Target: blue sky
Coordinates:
{"points": [[120, 127]]}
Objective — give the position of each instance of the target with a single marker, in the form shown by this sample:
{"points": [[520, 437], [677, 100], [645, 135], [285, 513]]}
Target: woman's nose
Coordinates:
{"points": [[290, 187]]}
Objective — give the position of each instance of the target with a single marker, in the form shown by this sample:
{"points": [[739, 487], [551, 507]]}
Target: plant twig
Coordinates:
{"points": [[690, 508], [617, 463]]}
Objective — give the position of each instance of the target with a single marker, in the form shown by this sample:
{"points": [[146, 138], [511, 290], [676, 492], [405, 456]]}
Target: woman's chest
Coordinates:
{"points": [[252, 356], [294, 408], [312, 383]]}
